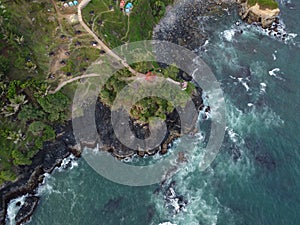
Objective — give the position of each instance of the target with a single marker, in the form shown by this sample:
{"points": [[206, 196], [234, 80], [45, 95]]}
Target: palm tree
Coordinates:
{"points": [[19, 39], [14, 105], [15, 136]]}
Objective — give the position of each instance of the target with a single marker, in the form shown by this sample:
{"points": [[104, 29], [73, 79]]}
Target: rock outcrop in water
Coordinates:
{"points": [[26, 210], [264, 16]]}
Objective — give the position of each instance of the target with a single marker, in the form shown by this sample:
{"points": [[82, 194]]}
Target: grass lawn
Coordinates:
{"points": [[115, 28], [270, 4], [36, 24], [80, 58]]}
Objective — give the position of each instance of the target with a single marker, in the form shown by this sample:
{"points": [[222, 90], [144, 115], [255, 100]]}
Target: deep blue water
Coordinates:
{"points": [[255, 178]]}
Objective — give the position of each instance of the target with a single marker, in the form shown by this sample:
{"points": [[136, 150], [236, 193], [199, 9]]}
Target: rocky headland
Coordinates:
{"points": [[53, 153], [257, 13]]}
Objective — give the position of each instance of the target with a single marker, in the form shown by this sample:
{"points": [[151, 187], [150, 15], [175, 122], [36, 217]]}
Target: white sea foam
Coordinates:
{"points": [[68, 163], [167, 223], [274, 55], [253, 118], [200, 207], [244, 83], [263, 87], [273, 72], [13, 209], [229, 34], [46, 187]]}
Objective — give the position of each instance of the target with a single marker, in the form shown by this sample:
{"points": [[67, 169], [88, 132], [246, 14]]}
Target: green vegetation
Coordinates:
{"points": [[26, 121], [115, 28], [28, 32], [36, 42], [148, 107], [270, 4], [80, 59]]}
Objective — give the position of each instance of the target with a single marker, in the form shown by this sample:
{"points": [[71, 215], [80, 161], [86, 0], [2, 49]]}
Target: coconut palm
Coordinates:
{"points": [[19, 39], [14, 105], [15, 136]]}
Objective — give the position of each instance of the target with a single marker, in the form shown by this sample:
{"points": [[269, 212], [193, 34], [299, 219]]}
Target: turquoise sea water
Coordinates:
{"points": [[255, 178]]}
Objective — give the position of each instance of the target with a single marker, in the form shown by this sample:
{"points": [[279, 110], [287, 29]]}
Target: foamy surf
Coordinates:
{"points": [[68, 163], [178, 204], [167, 223], [275, 73], [13, 208]]}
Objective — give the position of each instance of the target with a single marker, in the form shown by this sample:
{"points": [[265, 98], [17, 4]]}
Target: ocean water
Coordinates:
{"points": [[255, 178]]}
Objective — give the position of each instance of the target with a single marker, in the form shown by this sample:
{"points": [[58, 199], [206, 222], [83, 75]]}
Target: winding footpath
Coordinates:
{"points": [[103, 46]]}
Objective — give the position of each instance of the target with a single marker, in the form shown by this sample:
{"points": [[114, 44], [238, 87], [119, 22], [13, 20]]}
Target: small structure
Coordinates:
{"points": [[62, 62], [71, 4], [183, 85], [100, 22], [66, 5], [150, 76], [78, 32], [122, 4], [75, 2], [77, 43], [94, 43], [128, 7], [51, 53]]}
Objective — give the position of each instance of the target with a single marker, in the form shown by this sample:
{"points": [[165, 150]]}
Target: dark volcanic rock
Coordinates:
{"points": [[185, 23], [54, 152], [266, 161], [112, 144], [27, 209], [44, 161]]}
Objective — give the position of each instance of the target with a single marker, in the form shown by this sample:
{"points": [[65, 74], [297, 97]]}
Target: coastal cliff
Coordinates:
{"points": [[263, 14]]}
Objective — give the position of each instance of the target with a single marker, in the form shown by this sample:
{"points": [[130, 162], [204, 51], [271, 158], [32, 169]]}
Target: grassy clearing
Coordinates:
{"points": [[111, 26], [80, 59], [31, 38], [27, 34], [268, 4]]}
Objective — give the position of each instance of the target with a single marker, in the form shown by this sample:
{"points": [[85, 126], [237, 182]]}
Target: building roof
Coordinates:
{"points": [[129, 5]]}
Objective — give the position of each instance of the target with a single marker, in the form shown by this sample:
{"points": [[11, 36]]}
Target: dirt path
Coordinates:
{"points": [[128, 28], [104, 47], [101, 44]]}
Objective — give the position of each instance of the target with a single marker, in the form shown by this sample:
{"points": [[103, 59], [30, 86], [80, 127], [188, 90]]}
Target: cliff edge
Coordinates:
{"points": [[252, 11]]}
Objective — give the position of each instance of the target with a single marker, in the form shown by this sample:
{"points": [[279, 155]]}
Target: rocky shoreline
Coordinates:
{"points": [[53, 153], [31, 176]]}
